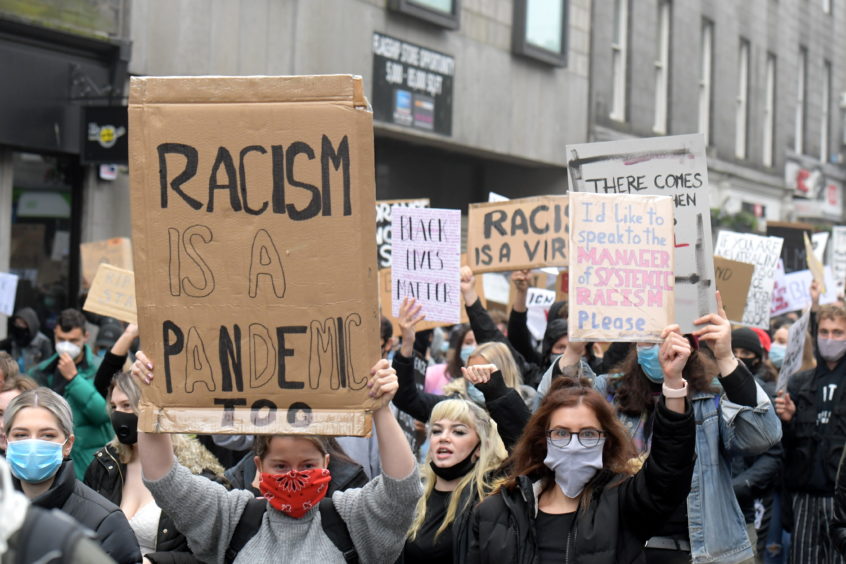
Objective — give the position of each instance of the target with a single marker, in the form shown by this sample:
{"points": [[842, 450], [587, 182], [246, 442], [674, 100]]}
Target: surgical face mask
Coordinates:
{"points": [[66, 347], [34, 460], [647, 358], [831, 350], [465, 353], [574, 465], [475, 394], [777, 352]]}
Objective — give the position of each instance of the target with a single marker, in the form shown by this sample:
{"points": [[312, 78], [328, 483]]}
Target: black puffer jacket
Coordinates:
{"points": [[837, 527], [92, 510], [623, 512]]}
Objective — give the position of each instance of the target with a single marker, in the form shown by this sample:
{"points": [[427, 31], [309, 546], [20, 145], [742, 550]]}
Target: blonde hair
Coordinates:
{"points": [[491, 454], [499, 354], [127, 384]]}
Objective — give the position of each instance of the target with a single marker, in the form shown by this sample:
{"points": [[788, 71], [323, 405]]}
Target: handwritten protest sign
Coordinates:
{"points": [[819, 241], [793, 253], [383, 226], [540, 298], [621, 272], [117, 252], [838, 256], [253, 216], [764, 253], [427, 249], [814, 264], [792, 292], [517, 234], [733, 280], [112, 294], [795, 348], [8, 291], [664, 166]]}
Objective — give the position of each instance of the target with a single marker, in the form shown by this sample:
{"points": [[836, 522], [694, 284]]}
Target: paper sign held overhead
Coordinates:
{"points": [[253, 216], [112, 294], [539, 298], [838, 256], [820, 243], [733, 280], [8, 291], [673, 166], [621, 268], [383, 226], [814, 264], [795, 348], [117, 252], [517, 234], [792, 292], [427, 261]]}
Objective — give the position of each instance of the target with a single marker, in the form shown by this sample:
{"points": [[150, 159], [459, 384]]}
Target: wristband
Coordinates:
{"points": [[672, 393]]}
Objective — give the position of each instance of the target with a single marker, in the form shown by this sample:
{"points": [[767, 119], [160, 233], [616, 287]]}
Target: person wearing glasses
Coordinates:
{"points": [[572, 494]]}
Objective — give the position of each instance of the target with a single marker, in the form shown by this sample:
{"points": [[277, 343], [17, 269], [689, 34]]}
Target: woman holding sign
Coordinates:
{"points": [[294, 478]]}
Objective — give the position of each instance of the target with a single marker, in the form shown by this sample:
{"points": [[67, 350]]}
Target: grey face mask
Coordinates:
{"points": [[574, 465], [831, 350]]}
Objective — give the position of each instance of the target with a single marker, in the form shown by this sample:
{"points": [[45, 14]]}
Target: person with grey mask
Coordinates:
{"points": [[814, 423], [573, 494]]}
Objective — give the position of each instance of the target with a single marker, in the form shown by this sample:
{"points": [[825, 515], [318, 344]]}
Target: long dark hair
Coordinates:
{"points": [[454, 362]]}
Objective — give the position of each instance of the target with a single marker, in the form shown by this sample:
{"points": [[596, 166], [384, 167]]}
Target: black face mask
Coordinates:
{"points": [[751, 363], [21, 335], [126, 427], [457, 471]]}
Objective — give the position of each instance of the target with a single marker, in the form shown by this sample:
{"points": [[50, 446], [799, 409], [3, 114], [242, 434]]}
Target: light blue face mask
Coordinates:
{"points": [[475, 394], [647, 358], [465, 353], [34, 460], [777, 352]]}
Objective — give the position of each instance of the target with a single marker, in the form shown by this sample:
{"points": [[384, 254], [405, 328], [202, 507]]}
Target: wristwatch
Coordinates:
{"points": [[675, 392]]}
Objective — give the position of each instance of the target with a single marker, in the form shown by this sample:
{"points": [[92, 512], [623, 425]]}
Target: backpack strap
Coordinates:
{"points": [[336, 529], [248, 525]]}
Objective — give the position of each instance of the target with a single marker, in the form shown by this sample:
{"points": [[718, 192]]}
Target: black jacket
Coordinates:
{"points": [[92, 510], [623, 512], [811, 455], [111, 365], [504, 404], [837, 527], [105, 476]]}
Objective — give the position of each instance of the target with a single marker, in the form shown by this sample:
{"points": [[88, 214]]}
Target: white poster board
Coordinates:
{"points": [[8, 291], [838, 256], [795, 347]]}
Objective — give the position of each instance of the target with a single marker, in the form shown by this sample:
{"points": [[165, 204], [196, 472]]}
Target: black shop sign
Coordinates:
{"points": [[412, 85], [104, 138]]}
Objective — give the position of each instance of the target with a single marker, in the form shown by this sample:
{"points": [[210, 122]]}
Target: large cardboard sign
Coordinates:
{"points": [[795, 348], [8, 292], [793, 252], [838, 256], [427, 243], [383, 226], [112, 294], [733, 280], [253, 218], [764, 253], [517, 234], [116, 251], [664, 166], [622, 271]]}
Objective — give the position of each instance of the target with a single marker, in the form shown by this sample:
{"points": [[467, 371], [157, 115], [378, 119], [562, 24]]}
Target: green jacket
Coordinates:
{"points": [[91, 424]]}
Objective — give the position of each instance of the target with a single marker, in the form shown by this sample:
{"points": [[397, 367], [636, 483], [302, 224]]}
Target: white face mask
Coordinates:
{"points": [[72, 349]]}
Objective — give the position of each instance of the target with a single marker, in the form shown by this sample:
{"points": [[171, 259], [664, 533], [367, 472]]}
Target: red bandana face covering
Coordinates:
{"points": [[297, 491]]}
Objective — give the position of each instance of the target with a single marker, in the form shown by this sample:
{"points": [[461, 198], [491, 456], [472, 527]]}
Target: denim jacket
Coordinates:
{"points": [[724, 429]]}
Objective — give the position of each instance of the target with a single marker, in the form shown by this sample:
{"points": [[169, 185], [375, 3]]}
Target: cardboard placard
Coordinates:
{"points": [[116, 252], [112, 294], [733, 280], [383, 226], [562, 286], [764, 253], [814, 264], [256, 282], [427, 247], [517, 234], [838, 256], [795, 348], [622, 269], [793, 253], [674, 166], [8, 291]]}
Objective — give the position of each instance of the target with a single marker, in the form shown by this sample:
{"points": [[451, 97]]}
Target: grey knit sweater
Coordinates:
{"points": [[378, 517]]}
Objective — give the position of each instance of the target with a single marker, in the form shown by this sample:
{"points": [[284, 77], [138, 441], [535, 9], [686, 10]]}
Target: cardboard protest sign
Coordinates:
{"points": [[494, 197], [663, 166], [795, 348], [562, 286], [764, 253], [622, 271], [793, 252], [117, 252], [540, 298], [517, 234], [814, 264], [253, 219], [112, 294], [8, 291], [819, 241], [733, 280], [838, 256], [383, 226], [427, 248]]}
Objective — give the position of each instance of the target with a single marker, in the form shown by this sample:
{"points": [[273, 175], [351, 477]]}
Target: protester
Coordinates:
{"points": [[464, 452], [115, 474], [12, 387], [39, 427], [294, 480], [462, 342], [8, 367], [571, 495], [26, 343], [114, 359], [814, 423], [108, 333], [837, 528], [779, 347], [70, 373]]}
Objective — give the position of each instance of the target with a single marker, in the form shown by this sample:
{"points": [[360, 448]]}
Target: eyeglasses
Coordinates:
{"points": [[587, 437]]}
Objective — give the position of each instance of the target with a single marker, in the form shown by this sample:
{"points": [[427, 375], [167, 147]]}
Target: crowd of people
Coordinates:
{"points": [[488, 446]]}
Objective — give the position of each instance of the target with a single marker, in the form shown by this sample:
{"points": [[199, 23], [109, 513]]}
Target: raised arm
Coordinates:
{"points": [[114, 359], [155, 449], [408, 397], [394, 451]]}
